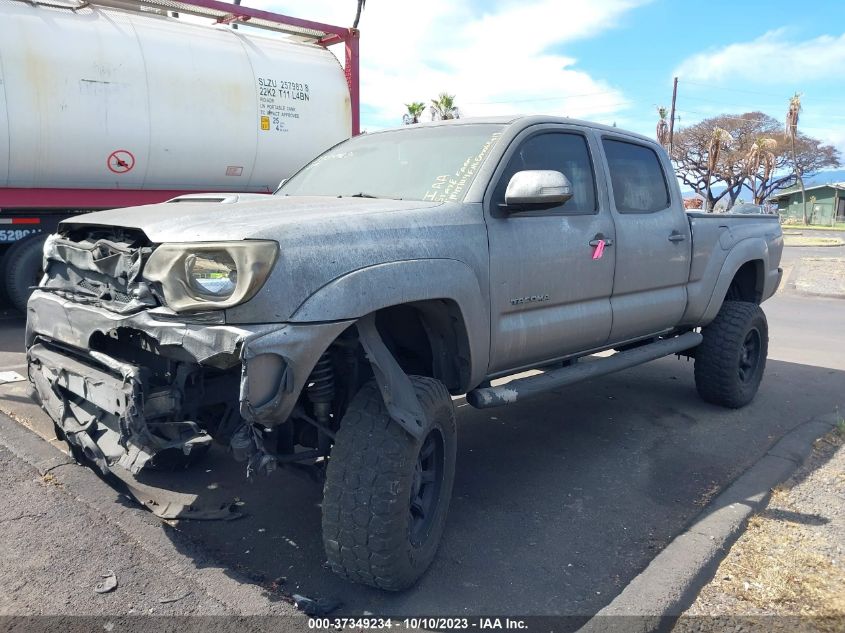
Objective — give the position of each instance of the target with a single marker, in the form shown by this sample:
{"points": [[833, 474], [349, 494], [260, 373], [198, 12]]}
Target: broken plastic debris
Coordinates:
{"points": [[312, 607], [10, 376], [108, 584], [175, 598]]}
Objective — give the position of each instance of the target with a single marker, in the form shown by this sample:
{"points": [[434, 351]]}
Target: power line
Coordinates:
{"points": [[753, 92], [779, 97], [724, 116]]}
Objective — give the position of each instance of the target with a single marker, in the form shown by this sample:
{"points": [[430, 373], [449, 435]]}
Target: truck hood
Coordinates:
{"points": [[321, 239], [228, 219]]}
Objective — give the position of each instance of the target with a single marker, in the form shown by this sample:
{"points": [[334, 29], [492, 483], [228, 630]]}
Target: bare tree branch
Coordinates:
{"points": [[754, 156]]}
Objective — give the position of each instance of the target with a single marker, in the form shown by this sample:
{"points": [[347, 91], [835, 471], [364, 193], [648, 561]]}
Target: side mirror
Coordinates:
{"points": [[537, 188]]}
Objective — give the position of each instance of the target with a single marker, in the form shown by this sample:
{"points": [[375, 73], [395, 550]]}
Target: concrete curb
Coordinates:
{"points": [[813, 245], [176, 553], [673, 579]]}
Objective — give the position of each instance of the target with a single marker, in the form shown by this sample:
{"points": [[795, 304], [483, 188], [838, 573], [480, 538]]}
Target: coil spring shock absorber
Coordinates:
{"points": [[320, 388]]}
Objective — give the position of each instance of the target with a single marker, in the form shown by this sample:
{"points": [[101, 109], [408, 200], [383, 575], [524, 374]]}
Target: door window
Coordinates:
{"points": [[566, 153], [639, 184]]}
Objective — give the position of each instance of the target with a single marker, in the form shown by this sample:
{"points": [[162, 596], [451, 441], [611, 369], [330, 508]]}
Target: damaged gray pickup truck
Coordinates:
{"points": [[328, 326]]}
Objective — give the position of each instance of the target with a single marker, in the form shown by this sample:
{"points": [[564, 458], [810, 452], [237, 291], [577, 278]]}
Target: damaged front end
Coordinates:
{"points": [[119, 412], [129, 382]]}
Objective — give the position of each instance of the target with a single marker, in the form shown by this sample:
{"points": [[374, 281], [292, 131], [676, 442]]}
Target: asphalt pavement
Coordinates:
{"points": [[559, 501]]}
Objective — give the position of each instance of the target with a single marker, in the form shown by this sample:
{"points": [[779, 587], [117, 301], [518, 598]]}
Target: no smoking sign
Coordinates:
{"points": [[120, 161]]}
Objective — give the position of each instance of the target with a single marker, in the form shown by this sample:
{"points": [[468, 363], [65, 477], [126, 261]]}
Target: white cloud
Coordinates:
{"points": [[771, 58], [496, 62]]}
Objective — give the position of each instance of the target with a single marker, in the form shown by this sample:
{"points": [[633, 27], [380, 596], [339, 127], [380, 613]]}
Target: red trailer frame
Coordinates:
{"points": [[222, 13]]}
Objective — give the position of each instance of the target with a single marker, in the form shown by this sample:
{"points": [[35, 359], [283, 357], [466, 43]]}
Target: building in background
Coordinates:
{"points": [[825, 203]]}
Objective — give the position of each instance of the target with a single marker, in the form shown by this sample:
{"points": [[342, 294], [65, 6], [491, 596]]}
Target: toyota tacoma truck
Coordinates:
{"points": [[329, 326]]}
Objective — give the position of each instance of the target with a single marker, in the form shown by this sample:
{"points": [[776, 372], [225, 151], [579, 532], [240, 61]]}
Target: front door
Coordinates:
{"points": [[653, 241], [549, 296]]}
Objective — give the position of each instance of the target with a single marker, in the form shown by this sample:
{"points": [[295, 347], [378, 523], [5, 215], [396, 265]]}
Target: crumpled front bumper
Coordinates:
{"points": [[106, 403]]}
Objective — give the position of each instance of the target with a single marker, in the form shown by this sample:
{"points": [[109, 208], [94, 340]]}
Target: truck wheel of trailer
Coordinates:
{"points": [[387, 494], [4, 298], [730, 361], [23, 269]]}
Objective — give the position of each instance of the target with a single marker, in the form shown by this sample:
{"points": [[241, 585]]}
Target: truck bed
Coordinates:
{"points": [[717, 240]]}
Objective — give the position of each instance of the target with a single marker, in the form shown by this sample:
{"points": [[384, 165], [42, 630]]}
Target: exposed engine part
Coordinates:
{"points": [[320, 388]]}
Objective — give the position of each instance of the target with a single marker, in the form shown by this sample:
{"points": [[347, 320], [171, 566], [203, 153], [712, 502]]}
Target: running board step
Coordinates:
{"points": [[524, 387]]}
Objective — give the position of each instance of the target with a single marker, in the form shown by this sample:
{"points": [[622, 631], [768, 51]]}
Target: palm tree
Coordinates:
{"points": [[719, 140], [415, 110], [361, 4], [444, 107], [760, 154], [791, 133], [662, 133]]}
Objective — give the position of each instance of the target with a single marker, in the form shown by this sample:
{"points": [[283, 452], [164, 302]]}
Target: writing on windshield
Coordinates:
{"points": [[436, 163]]}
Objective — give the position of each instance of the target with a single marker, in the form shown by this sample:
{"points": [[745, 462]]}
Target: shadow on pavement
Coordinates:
{"points": [[558, 501]]}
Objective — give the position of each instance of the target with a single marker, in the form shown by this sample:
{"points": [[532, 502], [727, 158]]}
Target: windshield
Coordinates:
{"points": [[414, 163]]}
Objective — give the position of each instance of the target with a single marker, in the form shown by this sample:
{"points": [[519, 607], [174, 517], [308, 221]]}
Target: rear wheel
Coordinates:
{"points": [[387, 494], [731, 359], [23, 269]]}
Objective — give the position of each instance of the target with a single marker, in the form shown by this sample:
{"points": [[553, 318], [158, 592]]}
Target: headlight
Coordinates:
{"points": [[210, 275]]}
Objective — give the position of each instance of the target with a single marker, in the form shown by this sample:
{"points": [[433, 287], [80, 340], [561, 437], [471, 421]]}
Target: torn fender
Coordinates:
{"points": [[398, 393]]}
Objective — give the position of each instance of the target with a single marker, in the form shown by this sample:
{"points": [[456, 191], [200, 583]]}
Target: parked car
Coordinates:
{"points": [[746, 208]]}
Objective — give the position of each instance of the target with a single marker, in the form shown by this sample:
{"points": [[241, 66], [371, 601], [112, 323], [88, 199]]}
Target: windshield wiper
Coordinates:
{"points": [[362, 194]]}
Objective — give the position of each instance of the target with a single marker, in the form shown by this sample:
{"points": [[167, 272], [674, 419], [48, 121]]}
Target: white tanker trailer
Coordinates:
{"points": [[116, 103]]}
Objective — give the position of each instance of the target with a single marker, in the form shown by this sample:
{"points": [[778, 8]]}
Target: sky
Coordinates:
{"points": [[610, 61]]}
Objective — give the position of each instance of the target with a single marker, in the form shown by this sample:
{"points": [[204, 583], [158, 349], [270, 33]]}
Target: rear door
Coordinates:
{"points": [[652, 240], [549, 297]]}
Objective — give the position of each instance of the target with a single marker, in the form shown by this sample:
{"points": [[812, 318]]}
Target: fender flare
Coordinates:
{"points": [[747, 250], [366, 290]]}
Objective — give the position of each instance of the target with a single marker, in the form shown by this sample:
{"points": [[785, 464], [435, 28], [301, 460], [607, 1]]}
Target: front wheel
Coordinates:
{"points": [[387, 494], [731, 358]]}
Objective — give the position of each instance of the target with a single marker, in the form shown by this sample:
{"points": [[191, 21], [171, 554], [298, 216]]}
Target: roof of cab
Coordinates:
{"points": [[523, 121]]}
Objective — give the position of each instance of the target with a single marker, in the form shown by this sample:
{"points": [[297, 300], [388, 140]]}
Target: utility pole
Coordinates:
{"points": [[672, 115]]}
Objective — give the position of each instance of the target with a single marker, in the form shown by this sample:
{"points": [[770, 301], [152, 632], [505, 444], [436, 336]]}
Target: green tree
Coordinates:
{"points": [[444, 107], [415, 110]]}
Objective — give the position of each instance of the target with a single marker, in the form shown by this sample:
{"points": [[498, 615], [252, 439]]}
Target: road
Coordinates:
{"points": [[558, 501]]}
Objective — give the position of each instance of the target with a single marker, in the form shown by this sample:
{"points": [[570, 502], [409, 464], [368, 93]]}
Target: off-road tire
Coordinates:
{"points": [[719, 359], [367, 521], [23, 262]]}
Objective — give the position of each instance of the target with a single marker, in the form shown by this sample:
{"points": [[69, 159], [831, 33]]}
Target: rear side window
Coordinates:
{"points": [[639, 184], [558, 151]]}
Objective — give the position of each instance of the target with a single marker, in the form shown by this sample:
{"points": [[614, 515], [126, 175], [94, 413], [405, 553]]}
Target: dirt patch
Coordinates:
{"points": [[805, 240], [790, 562], [819, 276]]}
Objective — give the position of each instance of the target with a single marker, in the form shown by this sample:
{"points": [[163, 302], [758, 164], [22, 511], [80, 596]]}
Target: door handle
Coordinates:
{"points": [[677, 237], [598, 240]]}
